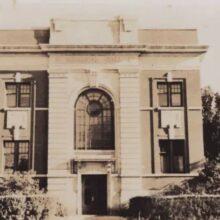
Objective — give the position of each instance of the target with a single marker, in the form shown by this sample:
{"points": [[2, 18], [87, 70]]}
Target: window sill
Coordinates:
{"points": [[164, 175], [17, 109], [170, 108], [94, 151]]}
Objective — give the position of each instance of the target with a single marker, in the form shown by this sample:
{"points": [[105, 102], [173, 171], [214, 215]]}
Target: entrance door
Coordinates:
{"points": [[94, 194]]}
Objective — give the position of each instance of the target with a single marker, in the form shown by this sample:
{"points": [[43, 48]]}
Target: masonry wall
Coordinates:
{"points": [[151, 133], [37, 118], [129, 76]]}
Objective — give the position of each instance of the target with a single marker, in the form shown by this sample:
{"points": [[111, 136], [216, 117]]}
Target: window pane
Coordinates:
{"points": [[9, 156], [9, 162], [178, 164], [162, 94], [172, 156], [95, 136], [23, 162], [16, 156], [25, 88], [176, 94], [18, 94], [165, 163], [176, 100], [25, 92], [176, 88], [108, 129], [94, 122], [11, 100], [178, 151], [25, 100], [164, 156], [23, 148], [162, 87], [80, 128], [163, 102], [11, 95]]}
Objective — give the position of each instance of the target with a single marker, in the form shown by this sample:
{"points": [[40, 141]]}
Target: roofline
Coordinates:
{"points": [[125, 48], [168, 29], [116, 18], [28, 29], [139, 29]]}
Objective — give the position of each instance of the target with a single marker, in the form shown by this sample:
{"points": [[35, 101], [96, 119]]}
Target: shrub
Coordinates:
{"points": [[21, 198], [19, 184], [176, 207], [196, 198]]}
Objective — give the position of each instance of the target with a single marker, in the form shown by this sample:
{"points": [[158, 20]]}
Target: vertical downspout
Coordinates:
{"points": [[33, 114], [152, 126], [186, 161]]}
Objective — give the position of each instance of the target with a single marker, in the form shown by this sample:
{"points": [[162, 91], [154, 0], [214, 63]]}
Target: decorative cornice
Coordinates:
{"points": [[20, 49], [139, 48], [135, 48], [147, 108], [64, 70], [81, 70], [57, 75]]}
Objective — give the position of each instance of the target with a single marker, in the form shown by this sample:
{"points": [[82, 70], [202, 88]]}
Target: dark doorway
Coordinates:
{"points": [[94, 194]]}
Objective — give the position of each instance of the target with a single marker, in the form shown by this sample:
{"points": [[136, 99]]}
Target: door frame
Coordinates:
{"points": [[79, 191]]}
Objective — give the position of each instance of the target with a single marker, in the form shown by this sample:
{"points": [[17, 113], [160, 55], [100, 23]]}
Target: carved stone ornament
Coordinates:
{"points": [[93, 78]]}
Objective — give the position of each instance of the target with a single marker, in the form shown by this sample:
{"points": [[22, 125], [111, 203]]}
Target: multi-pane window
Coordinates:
{"points": [[94, 120], [18, 95], [172, 156], [16, 155], [170, 94]]}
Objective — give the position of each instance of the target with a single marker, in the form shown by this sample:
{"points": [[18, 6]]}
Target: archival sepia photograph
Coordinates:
{"points": [[109, 110]]}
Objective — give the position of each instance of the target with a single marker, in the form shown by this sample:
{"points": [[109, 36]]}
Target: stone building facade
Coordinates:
{"points": [[101, 110]]}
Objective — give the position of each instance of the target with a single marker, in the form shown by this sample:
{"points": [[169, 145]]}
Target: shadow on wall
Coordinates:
{"points": [[198, 165], [42, 36]]}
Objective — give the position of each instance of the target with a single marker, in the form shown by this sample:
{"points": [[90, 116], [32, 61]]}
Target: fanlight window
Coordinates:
{"points": [[94, 121]]}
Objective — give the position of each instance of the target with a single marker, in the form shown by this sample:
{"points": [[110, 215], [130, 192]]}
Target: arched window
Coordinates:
{"points": [[94, 121]]}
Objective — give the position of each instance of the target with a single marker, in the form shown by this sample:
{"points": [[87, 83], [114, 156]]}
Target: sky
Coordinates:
{"points": [[203, 15]]}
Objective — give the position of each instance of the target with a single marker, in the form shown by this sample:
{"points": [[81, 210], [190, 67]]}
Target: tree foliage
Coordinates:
{"points": [[206, 183], [211, 122]]}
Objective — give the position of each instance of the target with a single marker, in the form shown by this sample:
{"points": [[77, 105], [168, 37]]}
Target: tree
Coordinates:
{"points": [[211, 122]]}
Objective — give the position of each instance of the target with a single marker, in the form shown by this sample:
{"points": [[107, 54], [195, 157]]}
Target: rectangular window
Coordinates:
{"points": [[16, 156], [170, 94], [172, 156], [18, 95]]}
